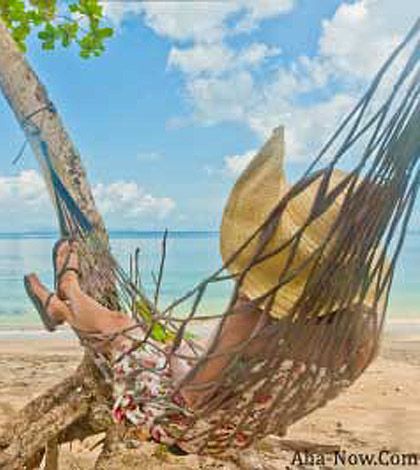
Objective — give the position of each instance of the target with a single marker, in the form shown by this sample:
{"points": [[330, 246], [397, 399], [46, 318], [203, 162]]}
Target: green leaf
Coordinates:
{"points": [[158, 333], [74, 8], [22, 16], [48, 46], [105, 32]]}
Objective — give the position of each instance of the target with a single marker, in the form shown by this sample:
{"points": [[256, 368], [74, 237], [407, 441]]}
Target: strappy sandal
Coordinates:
{"points": [[65, 268], [41, 307]]}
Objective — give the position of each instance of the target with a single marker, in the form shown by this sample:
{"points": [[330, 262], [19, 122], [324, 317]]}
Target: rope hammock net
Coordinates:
{"points": [[311, 353]]}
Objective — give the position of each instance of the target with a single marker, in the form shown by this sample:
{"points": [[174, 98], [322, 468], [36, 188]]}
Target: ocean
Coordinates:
{"points": [[191, 256]]}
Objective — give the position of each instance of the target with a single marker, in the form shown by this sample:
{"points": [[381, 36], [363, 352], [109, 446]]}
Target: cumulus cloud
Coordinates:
{"points": [[198, 21], [360, 35], [24, 200], [256, 54], [237, 98], [201, 58], [222, 98], [216, 59], [254, 12], [234, 165], [28, 186], [117, 11], [219, 78], [127, 201], [311, 94]]}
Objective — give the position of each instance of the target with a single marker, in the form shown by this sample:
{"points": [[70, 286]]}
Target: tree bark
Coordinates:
{"points": [[77, 407], [32, 107], [74, 409]]}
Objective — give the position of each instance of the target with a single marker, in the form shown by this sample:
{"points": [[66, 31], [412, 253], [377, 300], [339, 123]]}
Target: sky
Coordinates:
{"points": [[186, 93]]}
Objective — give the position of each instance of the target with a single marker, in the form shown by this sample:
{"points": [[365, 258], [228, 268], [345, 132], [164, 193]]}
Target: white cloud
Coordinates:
{"points": [[216, 59], [234, 165], [256, 54], [219, 77], [198, 21], [236, 97], [127, 201], [255, 12], [180, 21], [310, 95], [28, 187], [360, 36], [24, 203], [203, 21], [118, 11], [306, 127], [219, 99]]}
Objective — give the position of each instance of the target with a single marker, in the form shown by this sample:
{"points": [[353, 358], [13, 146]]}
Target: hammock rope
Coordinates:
{"points": [[305, 351]]}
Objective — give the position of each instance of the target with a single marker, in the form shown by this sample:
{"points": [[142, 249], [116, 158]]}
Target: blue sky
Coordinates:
{"points": [[185, 94]]}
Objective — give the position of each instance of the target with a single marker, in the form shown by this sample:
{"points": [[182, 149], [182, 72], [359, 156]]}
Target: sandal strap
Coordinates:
{"points": [[66, 267], [64, 271]]}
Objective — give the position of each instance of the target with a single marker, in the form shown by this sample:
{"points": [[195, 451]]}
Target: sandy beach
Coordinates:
{"points": [[381, 412]]}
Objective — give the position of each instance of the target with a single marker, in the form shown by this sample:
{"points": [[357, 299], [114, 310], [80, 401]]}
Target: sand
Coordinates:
{"points": [[380, 412]]}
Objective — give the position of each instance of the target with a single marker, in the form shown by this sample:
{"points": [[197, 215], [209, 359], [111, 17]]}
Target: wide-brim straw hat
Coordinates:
{"points": [[255, 194]]}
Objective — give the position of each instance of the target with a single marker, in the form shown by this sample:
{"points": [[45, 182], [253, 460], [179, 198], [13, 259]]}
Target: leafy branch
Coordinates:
{"points": [[58, 23]]}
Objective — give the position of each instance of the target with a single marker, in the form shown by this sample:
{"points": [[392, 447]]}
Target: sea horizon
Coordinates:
{"points": [[113, 233], [47, 233], [192, 255]]}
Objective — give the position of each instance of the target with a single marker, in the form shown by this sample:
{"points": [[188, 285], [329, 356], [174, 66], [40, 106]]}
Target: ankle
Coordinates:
{"points": [[57, 310], [69, 283]]}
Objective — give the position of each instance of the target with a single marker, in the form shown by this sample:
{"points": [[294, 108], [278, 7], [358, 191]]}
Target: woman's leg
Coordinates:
{"points": [[236, 332], [87, 314]]}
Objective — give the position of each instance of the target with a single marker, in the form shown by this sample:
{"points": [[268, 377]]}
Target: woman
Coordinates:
{"points": [[136, 388], [69, 304]]}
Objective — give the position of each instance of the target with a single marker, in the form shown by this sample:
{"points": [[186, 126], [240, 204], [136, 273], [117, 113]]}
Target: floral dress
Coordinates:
{"points": [[144, 397]]}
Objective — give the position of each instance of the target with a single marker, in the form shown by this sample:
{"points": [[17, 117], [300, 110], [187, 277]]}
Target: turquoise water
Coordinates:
{"points": [[191, 257]]}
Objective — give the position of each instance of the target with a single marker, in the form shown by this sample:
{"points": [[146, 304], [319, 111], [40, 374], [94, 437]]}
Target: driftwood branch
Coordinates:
{"points": [[74, 409], [51, 454], [161, 268]]}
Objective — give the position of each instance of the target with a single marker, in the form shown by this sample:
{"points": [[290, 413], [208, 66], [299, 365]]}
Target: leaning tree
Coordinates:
{"points": [[77, 407]]}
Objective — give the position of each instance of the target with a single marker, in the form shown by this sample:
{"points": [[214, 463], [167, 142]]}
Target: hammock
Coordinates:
{"points": [[302, 369]]}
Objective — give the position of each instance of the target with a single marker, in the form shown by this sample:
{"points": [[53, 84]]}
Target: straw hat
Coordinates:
{"points": [[257, 191]]}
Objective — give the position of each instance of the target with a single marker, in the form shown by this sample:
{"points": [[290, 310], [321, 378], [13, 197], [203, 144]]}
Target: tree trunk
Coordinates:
{"points": [[76, 407], [30, 102]]}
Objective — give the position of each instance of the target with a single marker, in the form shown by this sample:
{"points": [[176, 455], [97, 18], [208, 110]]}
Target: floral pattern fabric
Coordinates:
{"points": [[142, 384]]}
